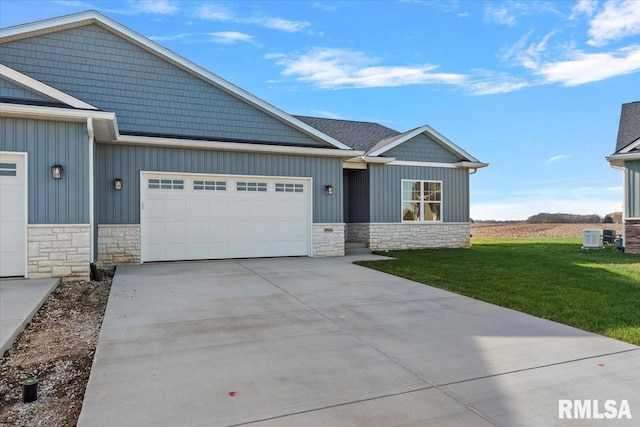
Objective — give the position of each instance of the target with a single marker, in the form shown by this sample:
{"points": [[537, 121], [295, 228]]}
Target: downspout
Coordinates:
{"points": [[474, 171], [91, 207], [624, 208]]}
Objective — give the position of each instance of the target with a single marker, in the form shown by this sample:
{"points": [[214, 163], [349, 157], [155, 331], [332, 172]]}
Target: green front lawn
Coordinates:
{"points": [[594, 290]]}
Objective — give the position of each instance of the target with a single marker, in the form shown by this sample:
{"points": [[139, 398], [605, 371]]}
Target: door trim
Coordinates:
{"points": [[25, 158]]}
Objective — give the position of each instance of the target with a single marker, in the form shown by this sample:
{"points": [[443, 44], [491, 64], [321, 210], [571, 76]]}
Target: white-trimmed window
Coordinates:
{"points": [[289, 188], [251, 186], [8, 169], [210, 185], [166, 184], [421, 201]]}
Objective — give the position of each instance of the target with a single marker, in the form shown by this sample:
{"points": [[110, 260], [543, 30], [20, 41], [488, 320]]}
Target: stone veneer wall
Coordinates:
{"points": [[118, 244], [59, 250], [357, 232], [632, 236], [390, 236], [328, 239]]}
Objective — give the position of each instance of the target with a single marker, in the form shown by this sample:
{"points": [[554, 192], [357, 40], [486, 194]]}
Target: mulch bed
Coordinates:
{"points": [[57, 348]]}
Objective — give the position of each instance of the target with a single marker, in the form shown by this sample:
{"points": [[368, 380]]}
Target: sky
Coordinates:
{"points": [[534, 88]]}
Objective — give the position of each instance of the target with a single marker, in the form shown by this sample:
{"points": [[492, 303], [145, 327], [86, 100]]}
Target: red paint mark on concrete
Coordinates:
{"points": [[600, 364], [233, 393]]}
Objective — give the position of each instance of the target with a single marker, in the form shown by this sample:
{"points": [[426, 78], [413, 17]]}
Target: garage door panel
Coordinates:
{"points": [[198, 230], [204, 220]]}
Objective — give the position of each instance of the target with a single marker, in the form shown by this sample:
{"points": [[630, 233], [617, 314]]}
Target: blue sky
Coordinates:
{"points": [[532, 87]]}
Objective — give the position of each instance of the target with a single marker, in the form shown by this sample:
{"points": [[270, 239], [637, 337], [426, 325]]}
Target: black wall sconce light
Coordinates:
{"points": [[329, 190], [117, 184], [56, 171]]}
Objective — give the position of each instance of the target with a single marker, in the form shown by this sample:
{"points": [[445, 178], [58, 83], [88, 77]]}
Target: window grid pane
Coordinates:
{"points": [[421, 201]]}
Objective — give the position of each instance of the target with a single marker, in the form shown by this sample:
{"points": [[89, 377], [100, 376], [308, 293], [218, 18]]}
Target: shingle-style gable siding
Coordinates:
{"points": [[148, 94], [9, 89], [422, 149]]}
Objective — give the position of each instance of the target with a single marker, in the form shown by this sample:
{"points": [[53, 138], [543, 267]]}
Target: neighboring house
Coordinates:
{"points": [[627, 158], [116, 150]]}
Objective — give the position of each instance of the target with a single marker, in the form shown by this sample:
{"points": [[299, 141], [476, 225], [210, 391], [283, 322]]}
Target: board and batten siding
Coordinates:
{"points": [[147, 93], [422, 149], [126, 162], [386, 191], [632, 184], [52, 201]]}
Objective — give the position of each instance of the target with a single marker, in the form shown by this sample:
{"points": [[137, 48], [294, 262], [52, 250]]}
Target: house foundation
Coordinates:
{"points": [[632, 235]]}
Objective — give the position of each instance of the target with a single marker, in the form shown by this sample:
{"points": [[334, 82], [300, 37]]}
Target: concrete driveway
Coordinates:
{"points": [[304, 341]]}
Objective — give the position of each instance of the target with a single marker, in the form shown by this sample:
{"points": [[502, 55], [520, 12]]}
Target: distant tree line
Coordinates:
{"points": [[562, 218]]}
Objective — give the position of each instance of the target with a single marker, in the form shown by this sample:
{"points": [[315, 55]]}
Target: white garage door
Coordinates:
{"points": [[189, 217], [13, 219]]}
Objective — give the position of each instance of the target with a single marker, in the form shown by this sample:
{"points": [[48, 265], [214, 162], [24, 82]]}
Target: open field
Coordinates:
{"points": [[553, 278], [518, 230]]}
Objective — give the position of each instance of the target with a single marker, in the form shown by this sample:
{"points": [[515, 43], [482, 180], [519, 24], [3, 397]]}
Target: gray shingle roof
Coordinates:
{"points": [[629, 129], [361, 136]]}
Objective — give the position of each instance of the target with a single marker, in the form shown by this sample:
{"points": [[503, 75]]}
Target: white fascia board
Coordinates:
{"points": [[458, 165], [53, 113], [368, 159], [432, 133], [617, 160], [635, 144], [91, 16], [236, 146], [42, 88]]}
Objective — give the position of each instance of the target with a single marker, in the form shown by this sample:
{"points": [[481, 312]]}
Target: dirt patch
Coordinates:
{"points": [[57, 348], [520, 230]]}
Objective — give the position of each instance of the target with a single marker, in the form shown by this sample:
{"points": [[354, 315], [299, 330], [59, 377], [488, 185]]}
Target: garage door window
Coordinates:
{"points": [[8, 169], [289, 188], [210, 185], [251, 186], [166, 184]]}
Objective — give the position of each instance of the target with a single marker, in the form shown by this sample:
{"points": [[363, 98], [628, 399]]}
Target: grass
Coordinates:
{"points": [[594, 290]]}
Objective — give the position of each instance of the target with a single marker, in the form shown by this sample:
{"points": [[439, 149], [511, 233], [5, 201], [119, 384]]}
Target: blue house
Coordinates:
{"points": [[627, 158], [116, 150]]}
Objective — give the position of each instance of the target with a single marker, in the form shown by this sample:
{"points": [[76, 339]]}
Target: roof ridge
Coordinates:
{"points": [[342, 120]]}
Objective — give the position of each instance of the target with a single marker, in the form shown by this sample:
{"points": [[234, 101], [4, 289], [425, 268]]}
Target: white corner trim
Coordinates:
{"points": [[42, 88], [108, 24], [92, 236], [432, 133], [236, 146]]}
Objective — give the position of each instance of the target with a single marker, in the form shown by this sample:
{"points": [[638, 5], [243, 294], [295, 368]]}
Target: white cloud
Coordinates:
{"points": [[340, 68], [499, 15], [554, 159], [583, 68], [215, 12], [327, 114], [162, 7], [617, 20], [230, 37], [174, 37], [583, 7]]}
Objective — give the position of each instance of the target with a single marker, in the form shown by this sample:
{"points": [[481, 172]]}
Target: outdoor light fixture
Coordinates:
{"points": [[56, 171], [329, 190], [117, 184]]}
